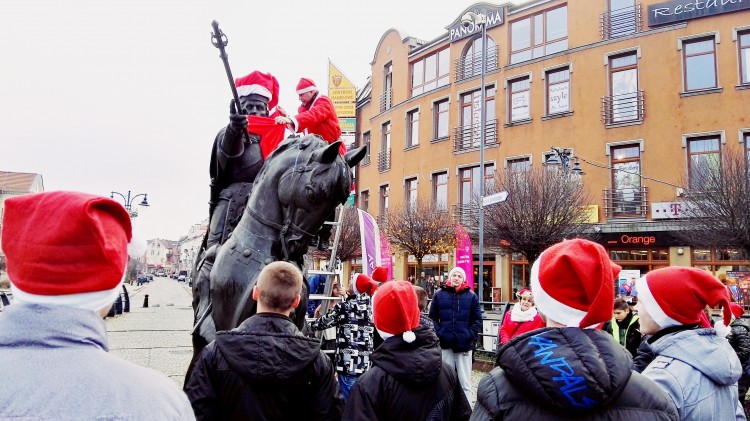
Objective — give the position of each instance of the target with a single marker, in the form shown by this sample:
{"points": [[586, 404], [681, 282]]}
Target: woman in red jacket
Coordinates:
{"points": [[521, 319]]}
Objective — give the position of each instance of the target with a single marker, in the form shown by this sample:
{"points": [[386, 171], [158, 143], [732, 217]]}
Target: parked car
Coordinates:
{"points": [[181, 278], [150, 276], [141, 279]]}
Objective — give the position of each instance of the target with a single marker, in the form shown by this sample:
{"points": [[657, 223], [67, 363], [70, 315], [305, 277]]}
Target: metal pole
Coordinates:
{"points": [[483, 122]]}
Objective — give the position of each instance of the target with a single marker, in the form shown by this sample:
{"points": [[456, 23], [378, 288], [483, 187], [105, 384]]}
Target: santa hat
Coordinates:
{"points": [[676, 295], [572, 283], [259, 83], [523, 291], [364, 285], [459, 270], [305, 85], [380, 274], [65, 248], [737, 310], [395, 310]]}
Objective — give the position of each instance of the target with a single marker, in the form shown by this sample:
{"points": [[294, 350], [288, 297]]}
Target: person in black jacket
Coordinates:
{"points": [[570, 370], [408, 379], [266, 369], [739, 338], [457, 318]]}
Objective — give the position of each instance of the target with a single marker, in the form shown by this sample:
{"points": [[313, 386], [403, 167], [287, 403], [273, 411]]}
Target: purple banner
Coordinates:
{"points": [[464, 256], [386, 257], [370, 236]]}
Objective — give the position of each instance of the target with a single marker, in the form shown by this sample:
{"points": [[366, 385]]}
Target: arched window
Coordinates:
{"points": [[471, 59]]}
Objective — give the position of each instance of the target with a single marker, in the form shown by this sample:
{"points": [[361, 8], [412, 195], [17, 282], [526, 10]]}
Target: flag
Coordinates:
{"points": [[370, 237], [386, 256]]}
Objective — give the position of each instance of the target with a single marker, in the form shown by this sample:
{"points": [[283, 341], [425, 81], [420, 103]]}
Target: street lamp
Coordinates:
{"points": [[476, 19], [129, 202], [562, 157]]}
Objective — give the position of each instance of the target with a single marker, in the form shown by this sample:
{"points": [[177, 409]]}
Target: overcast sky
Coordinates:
{"points": [[106, 95]]}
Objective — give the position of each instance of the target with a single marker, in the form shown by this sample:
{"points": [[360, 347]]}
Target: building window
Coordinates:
{"points": [[468, 133], [519, 99], [518, 165], [440, 119], [519, 269], [440, 190], [384, 156], [746, 137], [626, 179], [386, 98], [470, 180], [703, 159], [727, 264], [366, 142], [743, 39], [364, 200], [558, 90], [699, 56], [623, 103], [412, 128], [623, 18], [383, 205], [430, 73], [470, 63], [539, 35], [410, 192]]}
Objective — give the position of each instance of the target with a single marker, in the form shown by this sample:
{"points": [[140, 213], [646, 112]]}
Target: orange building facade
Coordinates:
{"points": [[634, 89]]}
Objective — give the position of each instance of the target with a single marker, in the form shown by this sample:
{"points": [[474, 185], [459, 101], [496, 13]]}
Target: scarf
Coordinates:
{"points": [[518, 315]]}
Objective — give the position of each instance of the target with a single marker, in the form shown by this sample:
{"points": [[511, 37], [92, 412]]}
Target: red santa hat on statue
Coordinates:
{"points": [[572, 283], [364, 285], [259, 83], [395, 310], [65, 248], [675, 295], [305, 85]]}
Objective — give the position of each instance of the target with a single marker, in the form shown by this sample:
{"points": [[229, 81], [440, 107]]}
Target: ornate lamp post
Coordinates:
{"points": [[562, 157], [129, 202]]}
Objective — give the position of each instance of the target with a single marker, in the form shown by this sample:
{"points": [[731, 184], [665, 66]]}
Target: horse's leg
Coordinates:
{"points": [[229, 283]]}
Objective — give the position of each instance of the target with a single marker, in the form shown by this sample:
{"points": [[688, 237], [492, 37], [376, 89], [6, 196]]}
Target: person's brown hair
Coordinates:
{"points": [[279, 284], [421, 297], [621, 304]]}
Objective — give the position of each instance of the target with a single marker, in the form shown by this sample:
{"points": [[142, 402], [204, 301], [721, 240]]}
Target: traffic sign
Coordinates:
{"points": [[492, 199]]}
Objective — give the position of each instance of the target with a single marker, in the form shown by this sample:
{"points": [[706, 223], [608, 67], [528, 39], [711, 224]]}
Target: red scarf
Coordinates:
{"points": [[271, 134]]}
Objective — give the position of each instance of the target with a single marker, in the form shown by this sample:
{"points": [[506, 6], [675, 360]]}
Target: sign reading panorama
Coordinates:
{"points": [[680, 10], [494, 15]]}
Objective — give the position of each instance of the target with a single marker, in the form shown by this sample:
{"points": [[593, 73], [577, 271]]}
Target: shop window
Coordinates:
{"points": [[558, 90], [730, 265], [699, 63], [539, 35]]}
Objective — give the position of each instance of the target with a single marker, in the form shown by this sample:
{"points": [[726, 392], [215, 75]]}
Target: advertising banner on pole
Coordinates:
{"points": [[370, 237], [342, 92], [464, 254], [386, 257]]}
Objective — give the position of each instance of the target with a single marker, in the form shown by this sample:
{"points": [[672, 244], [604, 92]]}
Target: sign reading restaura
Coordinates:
{"points": [[680, 10]]}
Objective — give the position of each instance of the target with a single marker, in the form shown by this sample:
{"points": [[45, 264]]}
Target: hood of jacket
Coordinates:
{"points": [[703, 350], [418, 362], [567, 369], [269, 346]]}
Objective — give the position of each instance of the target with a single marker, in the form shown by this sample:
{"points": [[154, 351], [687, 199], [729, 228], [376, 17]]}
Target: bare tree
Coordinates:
{"points": [[349, 245], [544, 206], [420, 229], [717, 202]]}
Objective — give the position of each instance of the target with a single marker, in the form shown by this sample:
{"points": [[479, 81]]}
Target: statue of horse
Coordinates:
{"points": [[301, 182]]}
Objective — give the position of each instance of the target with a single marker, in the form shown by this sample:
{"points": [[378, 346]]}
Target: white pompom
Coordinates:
{"points": [[721, 330], [409, 336]]}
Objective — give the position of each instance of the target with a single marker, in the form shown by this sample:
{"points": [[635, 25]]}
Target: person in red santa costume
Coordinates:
{"points": [[317, 116]]}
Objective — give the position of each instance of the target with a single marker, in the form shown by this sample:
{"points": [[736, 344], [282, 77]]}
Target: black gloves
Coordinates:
{"points": [[237, 126]]}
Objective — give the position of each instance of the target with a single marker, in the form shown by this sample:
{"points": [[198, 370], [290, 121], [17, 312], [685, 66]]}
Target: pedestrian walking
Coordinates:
{"points": [[695, 366], [570, 369], [457, 318], [408, 379], [266, 369], [66, 256]]}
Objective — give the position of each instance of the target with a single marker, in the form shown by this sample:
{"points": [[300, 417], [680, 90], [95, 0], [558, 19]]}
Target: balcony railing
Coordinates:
{"points": [[384, 160], [626, 202], [467, 215], [470, 65], [621, 22], [623, 108], [386, 100], [468, 137]]}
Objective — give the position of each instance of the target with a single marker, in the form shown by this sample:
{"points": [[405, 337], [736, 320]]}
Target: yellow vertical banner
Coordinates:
{"points": [[342, 92]]}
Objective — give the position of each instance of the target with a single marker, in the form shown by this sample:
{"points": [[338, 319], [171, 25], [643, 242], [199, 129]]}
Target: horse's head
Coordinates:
{"points": [[310, 190]]}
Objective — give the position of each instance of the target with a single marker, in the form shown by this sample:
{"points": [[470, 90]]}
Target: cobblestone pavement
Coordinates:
{"points": [[157, 337]]}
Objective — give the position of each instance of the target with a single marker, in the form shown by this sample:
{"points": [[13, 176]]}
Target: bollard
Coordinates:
{"points": [[126, 305], [118, 304], [145, 301], [111, 311]]}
